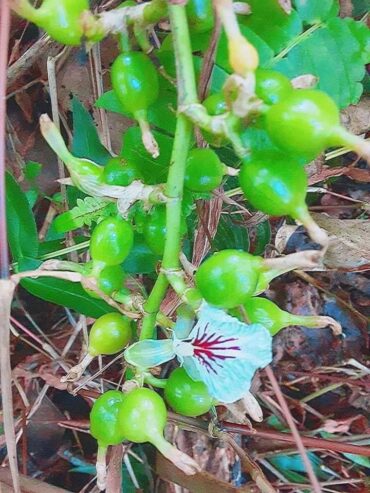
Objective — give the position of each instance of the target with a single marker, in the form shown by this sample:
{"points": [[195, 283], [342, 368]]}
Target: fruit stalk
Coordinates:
{"points": [[274, 267], [148, 139], [24, 9], [76, 372], [315, 322], [181, 460], [317, 234], [101, 467], [355, 143]]}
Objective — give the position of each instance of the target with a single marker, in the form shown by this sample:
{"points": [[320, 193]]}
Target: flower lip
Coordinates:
{"points": [[209, 347]]}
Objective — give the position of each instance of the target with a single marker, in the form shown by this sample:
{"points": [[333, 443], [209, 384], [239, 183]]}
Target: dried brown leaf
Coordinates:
{"points": [[349, 242]]}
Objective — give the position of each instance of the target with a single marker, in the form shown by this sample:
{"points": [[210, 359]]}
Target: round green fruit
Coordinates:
{"points": [[271, 86], [227, 278], [274, 183], [135, 81], [204, 171], [111, 241], [142, 416], [200, 15], [304, 122], [109, 334], [186, 396], [119, 172], [104, 426]]}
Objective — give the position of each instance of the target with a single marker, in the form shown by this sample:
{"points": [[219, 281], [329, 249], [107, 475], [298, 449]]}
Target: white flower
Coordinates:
{"points": [[220, 351]]}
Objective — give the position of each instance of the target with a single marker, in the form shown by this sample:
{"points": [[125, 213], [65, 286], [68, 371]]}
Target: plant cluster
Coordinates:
{"points": [[222, 331]]}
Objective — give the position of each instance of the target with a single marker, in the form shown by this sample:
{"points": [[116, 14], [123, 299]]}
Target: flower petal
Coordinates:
{"points": [[149, 353], [225, 353]]}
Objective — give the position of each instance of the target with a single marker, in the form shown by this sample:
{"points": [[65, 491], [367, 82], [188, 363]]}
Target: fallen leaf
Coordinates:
{"points": [[348, 247], [348, 242], [339, 425]]}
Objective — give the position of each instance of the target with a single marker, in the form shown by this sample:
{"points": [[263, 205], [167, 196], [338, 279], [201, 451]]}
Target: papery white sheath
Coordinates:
{"points": [[220, 351]]}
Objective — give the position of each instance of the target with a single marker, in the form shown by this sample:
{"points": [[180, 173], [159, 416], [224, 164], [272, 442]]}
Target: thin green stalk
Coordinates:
{"points": [[187, 94], [152, 305], [296, 41]]}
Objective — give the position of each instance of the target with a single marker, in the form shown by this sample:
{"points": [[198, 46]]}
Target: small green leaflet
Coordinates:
{"points": [[21, 225], [86, 142], [339, 48], [86, 211], [153, 170], [230, 234]]}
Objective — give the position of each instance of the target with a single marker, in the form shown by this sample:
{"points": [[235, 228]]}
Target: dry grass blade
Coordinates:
{"points": [[7, 288], [316, 488]]}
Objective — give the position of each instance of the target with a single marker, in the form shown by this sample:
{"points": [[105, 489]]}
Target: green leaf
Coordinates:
{"points": [[22, 231], [360, 7], [271, 23], [141, 473], [359, 459], [362, 33], [32, 170], [141, 259], [262, 237], [230, 235], [153, 170], [289, 463], [332, 49], [86, 211], [61, 292], [109, 101], [86, 142], [314, 11]]}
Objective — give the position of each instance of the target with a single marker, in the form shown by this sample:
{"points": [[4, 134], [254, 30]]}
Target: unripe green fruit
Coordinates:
{"points": [[109, 334], [204, 170], [274, 183], [142, 416], [304, 122], [109, 280], [135, 81], [104, 426], [186, 396], [119, 172], [227, 278], [111, 241]]}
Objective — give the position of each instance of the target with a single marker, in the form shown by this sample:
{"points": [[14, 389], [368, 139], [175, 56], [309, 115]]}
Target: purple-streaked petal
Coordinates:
{"points": [[224, 353]]}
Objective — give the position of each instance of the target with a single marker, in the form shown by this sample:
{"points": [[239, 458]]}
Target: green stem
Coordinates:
{"points": [[313, 322], [25, 9], [187, 94], [155, 382], [152, 305], [295, 42]]}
